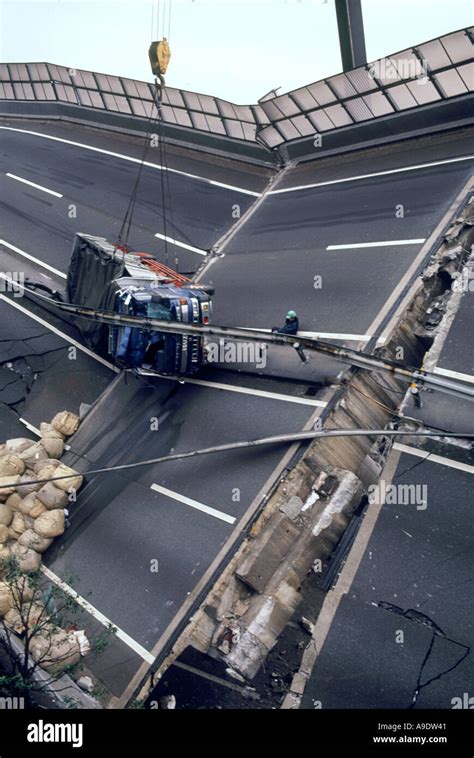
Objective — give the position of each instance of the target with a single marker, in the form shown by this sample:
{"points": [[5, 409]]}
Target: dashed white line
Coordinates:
{"points": [[432, 458], [134, 160], [53, 329], [416, 167], [385, 243], [454, 374], [119, 633], [181, 244], [32, 184], [194, 504], [32, 258]]}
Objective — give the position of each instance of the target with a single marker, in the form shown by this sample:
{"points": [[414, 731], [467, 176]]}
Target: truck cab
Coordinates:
{"points": [[104, 277]]}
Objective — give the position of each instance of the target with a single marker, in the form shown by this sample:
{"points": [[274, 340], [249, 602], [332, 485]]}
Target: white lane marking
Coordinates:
{"points": [[120, 634], [336, 336], [323, 335], [30, 427], [434, 458], [241, 390], [181, 244], [53, 329], [194, 504], [32, 258], [134, 160], [416, 167], [231, 187], [453, 374], [32, 184], [259, 393], [385, 243]]}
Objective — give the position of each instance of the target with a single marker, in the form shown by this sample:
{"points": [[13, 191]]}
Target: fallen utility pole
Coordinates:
{"points": [[300, 344], [277, 439]]}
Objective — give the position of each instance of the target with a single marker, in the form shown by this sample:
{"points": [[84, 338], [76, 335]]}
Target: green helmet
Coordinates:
{"points": [[291, 314]]}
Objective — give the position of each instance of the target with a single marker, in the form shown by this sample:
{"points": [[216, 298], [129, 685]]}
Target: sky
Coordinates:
{"points": [[234, 49]]}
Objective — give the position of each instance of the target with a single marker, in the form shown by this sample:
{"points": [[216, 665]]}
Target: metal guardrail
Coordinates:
{"points": [[51, 83], [428, 73]]}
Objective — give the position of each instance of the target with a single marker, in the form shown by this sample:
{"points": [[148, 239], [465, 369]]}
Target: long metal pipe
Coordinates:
{"points": [[274, 440], [345, 354]]}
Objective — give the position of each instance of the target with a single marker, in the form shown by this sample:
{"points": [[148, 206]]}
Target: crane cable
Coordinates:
{"points": [[164, 178], [124, 232], [155, 117]]}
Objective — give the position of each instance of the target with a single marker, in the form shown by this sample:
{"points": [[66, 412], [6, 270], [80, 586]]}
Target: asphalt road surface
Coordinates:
{"points": [[402, 632], [188, 515]]}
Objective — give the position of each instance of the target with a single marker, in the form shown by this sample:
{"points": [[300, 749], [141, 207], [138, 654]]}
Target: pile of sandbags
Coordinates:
{"points": [[32, 515]]}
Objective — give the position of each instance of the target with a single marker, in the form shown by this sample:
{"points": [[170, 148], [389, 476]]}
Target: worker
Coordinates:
{"points": [[291, 324]]}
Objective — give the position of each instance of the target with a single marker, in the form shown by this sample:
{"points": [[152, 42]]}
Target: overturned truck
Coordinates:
{"points": [[105, 277]]}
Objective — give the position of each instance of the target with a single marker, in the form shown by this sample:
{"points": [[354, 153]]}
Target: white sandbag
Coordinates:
{"points": [[82, 641], [34, 541], [31, 506], [26, 558], [33, 454], [66, 423], [6, 514], [11, 465], [47, 472], [23, 489], [29, 522], [54, 447], [12, 620], [48, 431], [21, 590], [74, 482], [8, 480], [19, 622], [50, 524], [6, 600], [52, 497], [13, 501], [17, 526], [55, 650], [18, 445], [51, 465], [5, 552]]}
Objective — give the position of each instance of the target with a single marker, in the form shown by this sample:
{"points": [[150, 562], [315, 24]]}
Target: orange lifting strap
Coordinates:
{"points": [[159, 268]]}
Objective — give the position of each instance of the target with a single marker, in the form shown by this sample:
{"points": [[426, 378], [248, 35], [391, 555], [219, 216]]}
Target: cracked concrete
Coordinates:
{"points": [[421, 618], [37, 375]]}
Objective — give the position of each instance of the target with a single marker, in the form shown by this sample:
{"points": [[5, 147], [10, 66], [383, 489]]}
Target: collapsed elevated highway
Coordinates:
{"points": [[342, 235]]}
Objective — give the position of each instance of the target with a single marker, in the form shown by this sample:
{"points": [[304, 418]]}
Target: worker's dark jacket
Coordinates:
{"points": [[291, 326]]}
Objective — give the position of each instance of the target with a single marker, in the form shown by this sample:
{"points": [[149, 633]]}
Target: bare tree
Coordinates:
{"points": [[35, 649]]}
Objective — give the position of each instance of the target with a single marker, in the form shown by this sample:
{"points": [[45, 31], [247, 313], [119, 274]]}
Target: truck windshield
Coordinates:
{"points": [[158, 310]]}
